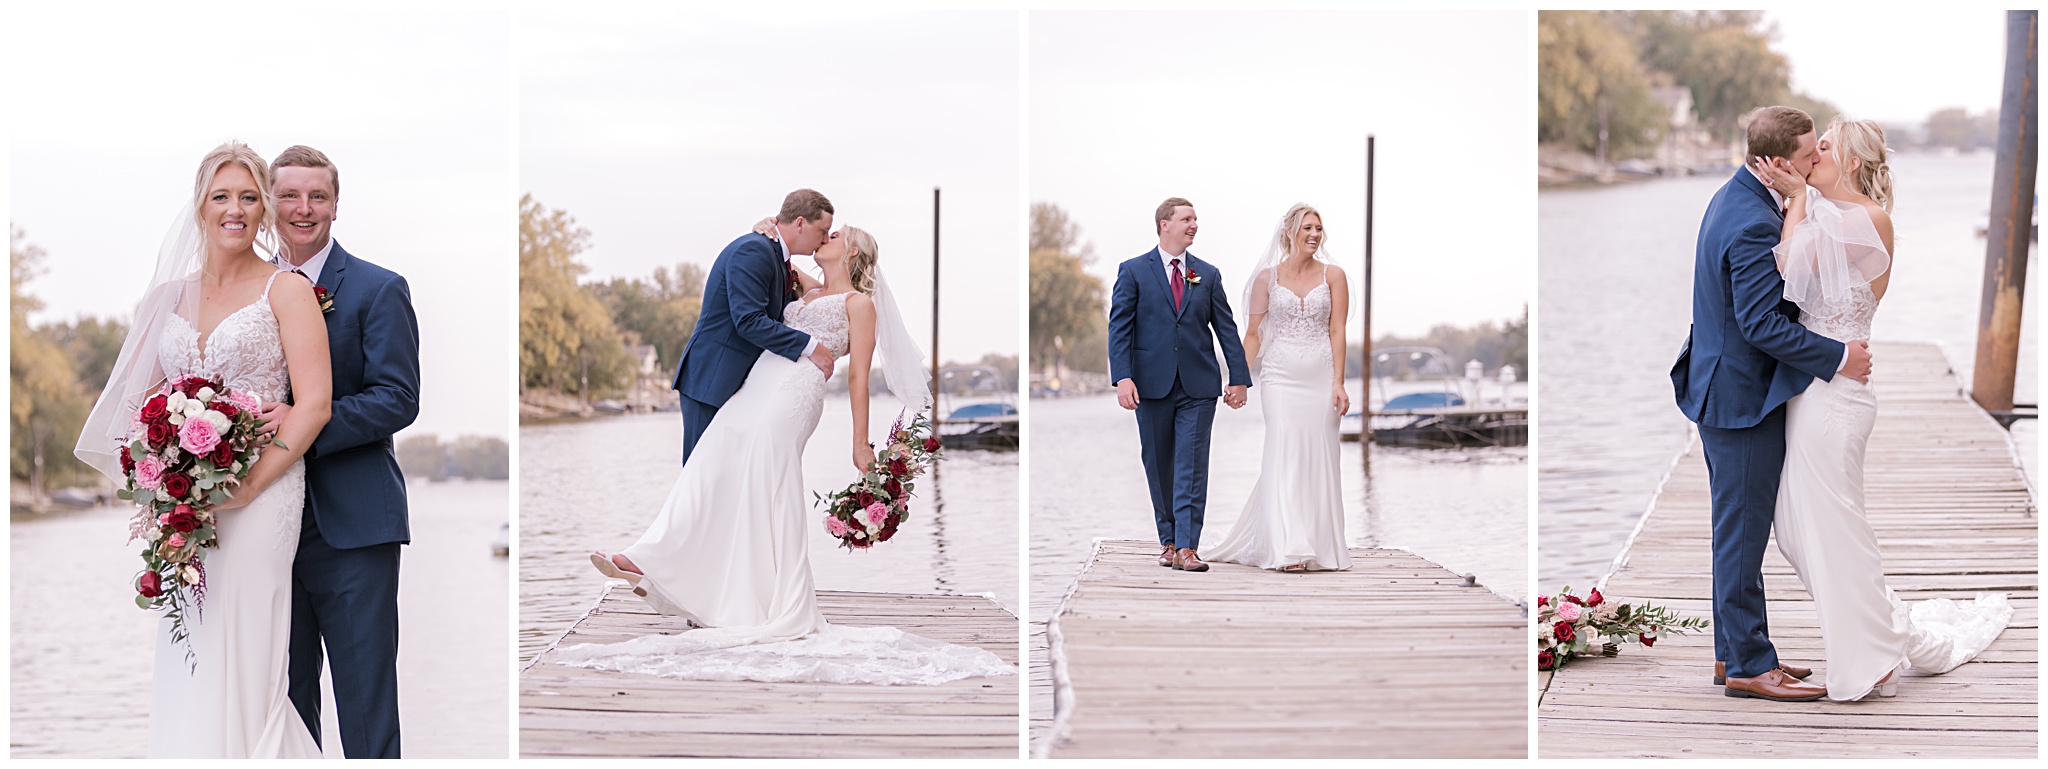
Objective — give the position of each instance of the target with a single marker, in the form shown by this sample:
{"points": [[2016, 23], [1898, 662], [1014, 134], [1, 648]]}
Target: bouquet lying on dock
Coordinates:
{"points": [[1568, 626], [190, 443], [871, 509]]}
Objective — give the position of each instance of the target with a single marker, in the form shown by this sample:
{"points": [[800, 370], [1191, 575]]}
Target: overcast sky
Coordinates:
{"points": [[1246, 114], [1895, 67], [668, 134], [110, 114]]}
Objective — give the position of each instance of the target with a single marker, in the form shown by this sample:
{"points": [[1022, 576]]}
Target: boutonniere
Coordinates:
{"points": [[325, 298], [795, 286], [1191, 278]]}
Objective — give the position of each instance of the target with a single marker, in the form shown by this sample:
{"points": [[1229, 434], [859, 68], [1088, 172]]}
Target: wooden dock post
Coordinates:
{"points": [[1365, 298], [2011, 227], [569, 711], [1954, 516], [1393, 658]]}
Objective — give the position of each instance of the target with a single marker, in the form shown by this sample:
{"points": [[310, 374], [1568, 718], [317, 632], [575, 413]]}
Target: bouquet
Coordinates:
{"points": [[190, 444], [1568, 626], [871, 509]]}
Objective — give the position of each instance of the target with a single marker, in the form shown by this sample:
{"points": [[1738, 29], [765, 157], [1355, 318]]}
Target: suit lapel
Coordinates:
{"points": [[1155, 275], [334, 271], [1748, 179]]}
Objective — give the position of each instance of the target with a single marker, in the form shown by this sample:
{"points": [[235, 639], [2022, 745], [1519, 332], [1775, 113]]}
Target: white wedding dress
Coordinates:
{"points": [[232, 701], [730, 552], [1866, 630], [1295, 516]]}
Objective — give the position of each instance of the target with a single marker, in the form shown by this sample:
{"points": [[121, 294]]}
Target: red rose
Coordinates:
{"points": [[894, 487], [1564, 631], [177, 485], [1544, 660], [223, 455], [864, 498], [191, 385], [898, 468], [1647, 639], [1574, 599], [931, 444], [127, 462], [1542, 601], [184, 519], [888, 530], [160, 434], [155, 410], [150, 585], [1594, 599], [225, 408]]}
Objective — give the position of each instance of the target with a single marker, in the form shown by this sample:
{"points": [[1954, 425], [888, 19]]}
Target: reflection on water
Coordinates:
{"points": [[596, 485], [1466, 509], [1614, 303], [81, 651]]}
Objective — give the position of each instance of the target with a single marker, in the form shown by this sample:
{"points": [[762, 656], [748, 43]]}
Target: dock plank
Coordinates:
{"points": [[1393, 658], [567, 712], [1954, 516]]}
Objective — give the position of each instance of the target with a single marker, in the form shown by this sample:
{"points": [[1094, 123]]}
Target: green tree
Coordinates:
{"points": [[1068, 321], [567, 340], [1591, 92], [659, 311], [46, 405], [1725, 57], [423, 456]]}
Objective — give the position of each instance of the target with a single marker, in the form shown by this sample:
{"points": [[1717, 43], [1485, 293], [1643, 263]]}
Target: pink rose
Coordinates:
{"points": [[149, 473], [835, 526], [198, 436], [877, 514], [244, 401], [1569, 612], [177, 540]]}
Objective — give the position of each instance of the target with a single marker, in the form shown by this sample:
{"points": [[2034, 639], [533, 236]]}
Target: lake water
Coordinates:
{"points": [[1465, 509], [597, 483], [1614, 301], [81, 652]]}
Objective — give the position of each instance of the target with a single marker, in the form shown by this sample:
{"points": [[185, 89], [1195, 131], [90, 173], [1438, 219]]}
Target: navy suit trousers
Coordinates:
{"points": [[1173, 437], [350, 597], [1742, 473]]}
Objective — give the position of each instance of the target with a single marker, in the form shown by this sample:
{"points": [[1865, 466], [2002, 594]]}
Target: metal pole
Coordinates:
{"points": [[1365, 345], [935, 307], [2011, 225]]}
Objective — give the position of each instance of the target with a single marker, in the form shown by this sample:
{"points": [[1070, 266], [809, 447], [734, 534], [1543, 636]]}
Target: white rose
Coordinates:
{"points": [[176, 402], [206, 395], [177, 418], [219, 420]]}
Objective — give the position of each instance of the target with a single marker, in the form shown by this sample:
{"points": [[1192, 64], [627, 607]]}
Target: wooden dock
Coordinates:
{"points": [[576, 712], [1954, 516], [1393, 658]]}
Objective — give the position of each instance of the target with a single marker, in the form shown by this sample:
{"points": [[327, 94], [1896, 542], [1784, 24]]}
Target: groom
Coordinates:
{"points": [[749, 285], [1745, 357], [345, 578], [1166, 308]]}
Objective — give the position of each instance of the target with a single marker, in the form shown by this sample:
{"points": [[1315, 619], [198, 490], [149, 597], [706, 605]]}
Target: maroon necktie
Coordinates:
{"points": [[1180, 285]]}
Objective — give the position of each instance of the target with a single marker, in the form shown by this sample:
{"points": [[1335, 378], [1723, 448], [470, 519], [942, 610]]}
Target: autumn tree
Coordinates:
{"points": [[567, 340], [1068, 321]]}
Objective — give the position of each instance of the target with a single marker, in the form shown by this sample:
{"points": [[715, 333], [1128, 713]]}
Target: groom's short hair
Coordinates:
{"points": [[1165, 212], [302, 156], [1774, 131], [808, 205]]}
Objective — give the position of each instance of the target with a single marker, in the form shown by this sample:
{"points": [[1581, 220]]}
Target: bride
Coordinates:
{"points": [[729, 551], [1835, 255], [1294, 520], [216, 308]]}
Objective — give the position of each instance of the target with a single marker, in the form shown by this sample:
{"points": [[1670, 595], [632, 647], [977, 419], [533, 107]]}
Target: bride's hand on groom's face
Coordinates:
{"points": [[1779, 175]]}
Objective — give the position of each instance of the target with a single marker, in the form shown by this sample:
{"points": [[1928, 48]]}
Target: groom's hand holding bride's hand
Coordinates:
{"points": [[1856, 365], [1234, 396]]}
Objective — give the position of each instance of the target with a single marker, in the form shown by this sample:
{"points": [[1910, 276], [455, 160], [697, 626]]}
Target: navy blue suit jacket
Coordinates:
{"points": [[1152, 345], [742, 315], [1745, 354], [355, 492]]}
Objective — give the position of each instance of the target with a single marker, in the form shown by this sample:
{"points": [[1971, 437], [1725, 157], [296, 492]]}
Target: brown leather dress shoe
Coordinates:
{"points": [[1773, 685], [1166, 555], [1188, 561], [1721, 672]]}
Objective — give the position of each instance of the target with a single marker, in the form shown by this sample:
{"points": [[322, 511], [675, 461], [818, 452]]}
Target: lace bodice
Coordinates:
{"points": [[1294, 319], [246, 351], [824, 318], [1844, 320]]}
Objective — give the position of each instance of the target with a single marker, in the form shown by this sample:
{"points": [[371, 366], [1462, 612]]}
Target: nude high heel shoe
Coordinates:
{"points": [[606, 567]]}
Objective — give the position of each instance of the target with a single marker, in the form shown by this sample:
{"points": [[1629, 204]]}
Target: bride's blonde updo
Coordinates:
{"points": [[1863, 142], [234, 151], [860, 257], [1292, 224]]}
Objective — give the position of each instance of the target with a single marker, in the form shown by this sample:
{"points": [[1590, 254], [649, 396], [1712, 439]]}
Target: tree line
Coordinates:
{"points": [[57, 370], [573, 335], [472, 457]]}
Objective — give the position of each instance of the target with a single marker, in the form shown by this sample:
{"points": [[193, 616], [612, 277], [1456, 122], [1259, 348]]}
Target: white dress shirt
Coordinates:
{"points": [[1166, 261], [313, 266]]}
